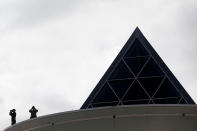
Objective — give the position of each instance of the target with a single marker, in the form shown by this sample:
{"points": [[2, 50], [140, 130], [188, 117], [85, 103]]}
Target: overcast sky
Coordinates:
{"points": [[54, 52]]}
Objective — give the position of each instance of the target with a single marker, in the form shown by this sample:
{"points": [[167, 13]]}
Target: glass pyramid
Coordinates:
{"points": [[137, 76]]}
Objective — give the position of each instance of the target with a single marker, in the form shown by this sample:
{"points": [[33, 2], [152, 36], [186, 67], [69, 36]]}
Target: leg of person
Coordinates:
{"points": [[13, 121]]}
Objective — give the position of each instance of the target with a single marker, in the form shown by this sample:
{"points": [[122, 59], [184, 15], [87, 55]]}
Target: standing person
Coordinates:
{"points": [[33, 112], [13, 116]]}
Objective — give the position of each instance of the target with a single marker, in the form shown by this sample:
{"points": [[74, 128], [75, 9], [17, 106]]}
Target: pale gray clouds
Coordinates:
{"points": [[53, 52]]}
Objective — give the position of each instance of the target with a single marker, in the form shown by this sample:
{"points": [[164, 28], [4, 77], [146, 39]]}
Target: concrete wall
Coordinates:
{"points": [[124, 118]]}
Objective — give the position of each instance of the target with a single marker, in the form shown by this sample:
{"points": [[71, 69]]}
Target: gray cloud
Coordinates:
{"points": [[37, 11], [189, 29], [18, 14]]}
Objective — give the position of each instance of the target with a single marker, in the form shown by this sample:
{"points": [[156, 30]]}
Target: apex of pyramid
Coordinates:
{"points": [[137, 76], [137, 31]]}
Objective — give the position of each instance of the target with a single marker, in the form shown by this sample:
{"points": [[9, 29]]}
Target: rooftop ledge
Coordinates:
{"points": [[119, 118]]}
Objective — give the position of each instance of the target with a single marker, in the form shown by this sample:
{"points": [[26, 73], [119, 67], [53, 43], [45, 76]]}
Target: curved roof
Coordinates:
{"points": [[121, 118]]}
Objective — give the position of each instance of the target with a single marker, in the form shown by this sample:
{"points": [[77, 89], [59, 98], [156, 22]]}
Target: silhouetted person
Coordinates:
{"points": [[13, 116], [33, 112]]}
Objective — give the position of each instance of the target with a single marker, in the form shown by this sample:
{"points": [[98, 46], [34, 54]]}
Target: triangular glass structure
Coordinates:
{"points": [[137, 76]]}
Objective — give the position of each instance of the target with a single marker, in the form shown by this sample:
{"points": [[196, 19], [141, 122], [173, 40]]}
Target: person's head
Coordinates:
{"points": [[13, 110], [33, 107]]}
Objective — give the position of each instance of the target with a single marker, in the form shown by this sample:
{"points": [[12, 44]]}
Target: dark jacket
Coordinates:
{"points": [[12, 114], [33, 113]]}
